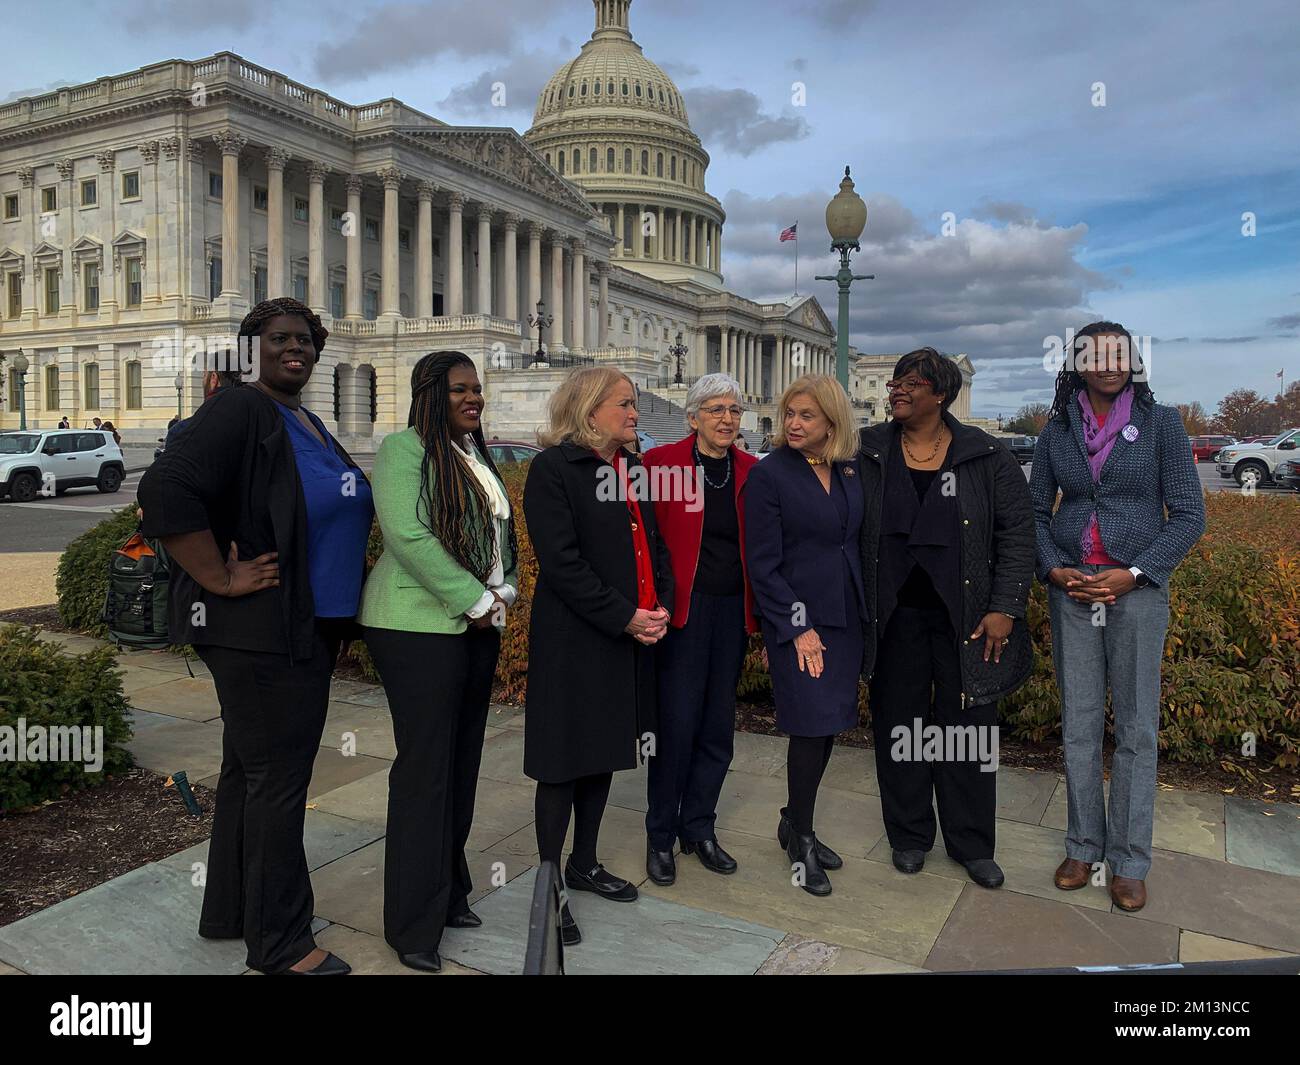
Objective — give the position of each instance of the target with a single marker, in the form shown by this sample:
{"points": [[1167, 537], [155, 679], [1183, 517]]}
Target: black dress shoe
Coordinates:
{"points": [[711, 855], [468, 919], [570, 936], [331, 966], [599, 882], [828, 858], [427, 961], [660, 866], [985, 872], [909, 861], [803, 849]]}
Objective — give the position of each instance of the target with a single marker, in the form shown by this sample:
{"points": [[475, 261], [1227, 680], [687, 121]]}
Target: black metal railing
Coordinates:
{"points": [[544, 954], [517, 361]]}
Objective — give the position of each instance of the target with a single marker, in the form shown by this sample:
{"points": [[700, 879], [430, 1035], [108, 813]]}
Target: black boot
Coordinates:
{"points": [[802, 850], [828, 858], [660, 866], [711, 855]]}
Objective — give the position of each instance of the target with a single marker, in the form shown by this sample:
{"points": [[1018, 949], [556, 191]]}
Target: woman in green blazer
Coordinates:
{"points": [[433, 609]]}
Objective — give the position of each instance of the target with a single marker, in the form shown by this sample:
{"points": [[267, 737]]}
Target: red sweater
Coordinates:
{"points": [[683, 529]]}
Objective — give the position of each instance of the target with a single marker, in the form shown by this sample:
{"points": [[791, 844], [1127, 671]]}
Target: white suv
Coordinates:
{"points": [[48, 462], [1257, 462]]}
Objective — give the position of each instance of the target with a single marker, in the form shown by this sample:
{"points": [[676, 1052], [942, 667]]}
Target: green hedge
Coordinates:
{"points": [[43, 687], [1232, 661]]}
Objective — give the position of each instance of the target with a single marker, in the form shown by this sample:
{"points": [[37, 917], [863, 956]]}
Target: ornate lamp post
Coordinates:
{"points": [[677, 351], [541, 320], [20, 367], [180, 387], [846, 217]]}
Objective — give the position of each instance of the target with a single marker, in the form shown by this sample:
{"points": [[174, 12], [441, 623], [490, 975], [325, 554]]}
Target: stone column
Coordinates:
{"points": [[579, 294], [483, 294], [717, 248], [390, 303], [230, 144], [316, 295], [276, 272], [678, 256], [695, 239], [620, 249], [602, 306], [729, 352], [557, 287], [510, 249], [455, 301], [751, 364], [355, 283], [424, 251], [638, 235], [534, 267], [107, 273], [660, 243]]}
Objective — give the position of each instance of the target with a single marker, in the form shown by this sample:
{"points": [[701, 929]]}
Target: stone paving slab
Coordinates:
{"points": [[333, 769], [371, 728], [621, 847], [871, 907], [141, 922], [350, 891], [138, 679], [1007, 930], [343, 689], [1028, 855], [1263, 835], [73, 643], [164, 661], [369, 955], [166, 747], [764, 755], [848, 821], [9, 970], [800, 956], [1023, 794], [1230, 901], [326, 838], [503, 758], [194, 699], [1190, 822], [648, 937], [852, 769], [1196, 946], [364, 799], [503, 716]]}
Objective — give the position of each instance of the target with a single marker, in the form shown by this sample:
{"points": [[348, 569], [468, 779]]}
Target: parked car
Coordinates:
{"points": [[1022, 447], [509, 452], [1255, 463], [1208, 447], [49, 462], [1288, 474]]}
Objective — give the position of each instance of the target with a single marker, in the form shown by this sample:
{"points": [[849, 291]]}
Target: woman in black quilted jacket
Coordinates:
{"points": [[947, 562]]}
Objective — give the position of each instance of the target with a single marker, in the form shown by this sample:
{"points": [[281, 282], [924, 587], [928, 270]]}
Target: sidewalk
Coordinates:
{"points": [[1225, 884]]}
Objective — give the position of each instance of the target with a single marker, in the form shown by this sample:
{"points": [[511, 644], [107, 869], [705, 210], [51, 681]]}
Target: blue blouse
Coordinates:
{"points": [[339, 512]]}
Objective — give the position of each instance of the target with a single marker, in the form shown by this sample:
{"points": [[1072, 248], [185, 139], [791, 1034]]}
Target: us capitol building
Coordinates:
{"points": [[149, 211]]}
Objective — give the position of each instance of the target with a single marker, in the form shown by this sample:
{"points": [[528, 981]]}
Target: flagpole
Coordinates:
{"points": [[796, 256]]}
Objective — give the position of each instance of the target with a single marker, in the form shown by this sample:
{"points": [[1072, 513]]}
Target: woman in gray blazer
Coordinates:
{"points": [[1131, 508]]}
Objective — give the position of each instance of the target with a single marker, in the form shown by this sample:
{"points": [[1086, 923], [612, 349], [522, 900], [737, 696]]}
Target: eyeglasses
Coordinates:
{"points": [[720, 410], [908, 385]]}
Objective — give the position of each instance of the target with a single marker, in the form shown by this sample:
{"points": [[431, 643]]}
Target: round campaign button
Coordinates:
{"points": [[1130, 433]]}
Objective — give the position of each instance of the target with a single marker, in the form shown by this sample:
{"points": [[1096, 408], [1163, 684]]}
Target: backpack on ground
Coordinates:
{"points": [[135, 609]]}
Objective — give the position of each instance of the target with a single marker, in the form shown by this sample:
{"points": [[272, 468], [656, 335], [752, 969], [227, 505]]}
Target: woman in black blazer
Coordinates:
{"points": [[803, 511], [269, 516], [602, 600]]}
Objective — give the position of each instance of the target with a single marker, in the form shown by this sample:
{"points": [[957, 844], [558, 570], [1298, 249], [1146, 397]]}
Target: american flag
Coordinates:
{"points": [[790, 234]]}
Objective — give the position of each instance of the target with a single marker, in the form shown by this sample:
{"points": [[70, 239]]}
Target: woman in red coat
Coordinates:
{"points": [[696, 485]]}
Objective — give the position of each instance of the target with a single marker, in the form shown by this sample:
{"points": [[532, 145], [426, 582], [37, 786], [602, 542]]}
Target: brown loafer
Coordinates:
{"points": [[1127, 893], [1072, 874]]}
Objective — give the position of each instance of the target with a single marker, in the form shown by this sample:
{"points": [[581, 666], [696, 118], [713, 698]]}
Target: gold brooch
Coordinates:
{"points": [[848, 471]]}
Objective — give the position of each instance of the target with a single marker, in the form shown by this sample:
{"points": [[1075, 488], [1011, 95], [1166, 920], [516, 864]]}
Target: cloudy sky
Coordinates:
{"points": [[1061, 211]]}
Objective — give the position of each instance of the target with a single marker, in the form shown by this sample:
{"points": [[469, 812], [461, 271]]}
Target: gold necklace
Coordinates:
{"points": [[938, 441], [814, 460]]}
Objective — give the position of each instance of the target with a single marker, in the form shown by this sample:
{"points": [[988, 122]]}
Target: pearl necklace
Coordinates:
{"points": [[699, 461]]}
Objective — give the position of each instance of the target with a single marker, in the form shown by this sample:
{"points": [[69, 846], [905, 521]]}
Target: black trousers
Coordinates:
{"points": [[257, 882], [698, 668], [438, 688], [918, 676]]}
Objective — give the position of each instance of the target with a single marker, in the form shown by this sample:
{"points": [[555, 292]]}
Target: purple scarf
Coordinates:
{"points": [[1099, 439]]}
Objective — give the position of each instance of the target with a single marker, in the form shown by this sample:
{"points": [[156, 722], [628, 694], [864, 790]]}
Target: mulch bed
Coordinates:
{"points": [[65, 846]]}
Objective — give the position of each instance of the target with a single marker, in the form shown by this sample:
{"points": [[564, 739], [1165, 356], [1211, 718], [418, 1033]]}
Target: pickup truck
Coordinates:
{"points": [[1256, 463]]}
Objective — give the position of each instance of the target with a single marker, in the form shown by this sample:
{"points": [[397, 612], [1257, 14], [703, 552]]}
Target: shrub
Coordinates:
{"points": [[45, 687], [81, 583]]}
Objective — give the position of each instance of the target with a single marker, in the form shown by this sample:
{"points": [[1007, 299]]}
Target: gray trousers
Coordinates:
{"points": [[1091, 650]]}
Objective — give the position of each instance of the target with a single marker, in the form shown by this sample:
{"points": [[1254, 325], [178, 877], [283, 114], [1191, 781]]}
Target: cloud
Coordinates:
{"points": [[522, 77], [677, 70], [840, 14], [1005, 211], [733, 120], [41, 90], [181, 15], [395, 35], [1228, 340], [1286, 321]]}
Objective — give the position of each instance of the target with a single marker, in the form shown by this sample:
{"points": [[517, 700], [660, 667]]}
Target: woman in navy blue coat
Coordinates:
{"points": [[803, 508]]}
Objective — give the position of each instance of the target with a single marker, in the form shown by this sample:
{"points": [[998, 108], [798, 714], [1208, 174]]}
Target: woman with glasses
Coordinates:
{"points": [[947, 559], [602, 600], [1131, 509], [701, 516], [803, 510]]}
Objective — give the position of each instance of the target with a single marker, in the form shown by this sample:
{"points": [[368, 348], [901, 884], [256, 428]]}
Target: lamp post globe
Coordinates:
{"points": [[846, 214]]}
